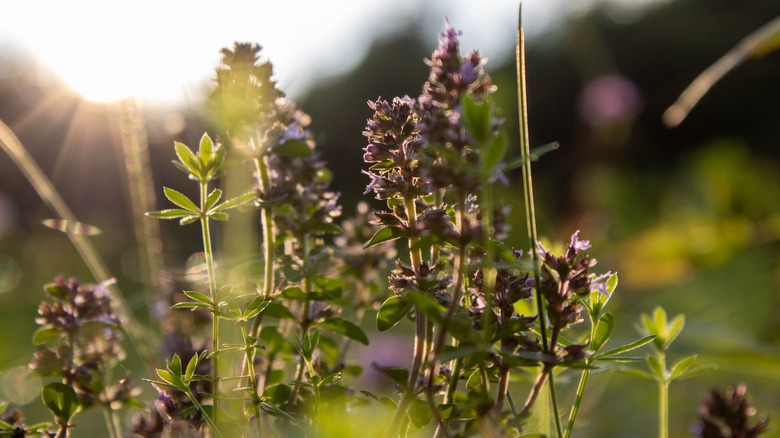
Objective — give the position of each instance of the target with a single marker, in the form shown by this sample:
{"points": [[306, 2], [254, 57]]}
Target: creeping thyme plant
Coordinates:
{"points": [[264, 347]]}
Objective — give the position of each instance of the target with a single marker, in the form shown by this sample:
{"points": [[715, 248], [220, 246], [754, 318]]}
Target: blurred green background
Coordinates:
{"points": [[689, 217]]}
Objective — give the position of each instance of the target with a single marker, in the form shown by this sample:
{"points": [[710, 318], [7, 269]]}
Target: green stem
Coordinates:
{"points": [[663, 400], [267, 219], [516, 417], [581, 386], [209, 253], [528, 197], [110, 422]]}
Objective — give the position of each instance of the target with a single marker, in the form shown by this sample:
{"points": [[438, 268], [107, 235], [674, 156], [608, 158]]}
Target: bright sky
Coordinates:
{"points": [[166, 50]]}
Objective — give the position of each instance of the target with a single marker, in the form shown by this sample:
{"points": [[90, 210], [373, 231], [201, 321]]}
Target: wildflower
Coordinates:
{"points": [[88, 337], [565, 278]]}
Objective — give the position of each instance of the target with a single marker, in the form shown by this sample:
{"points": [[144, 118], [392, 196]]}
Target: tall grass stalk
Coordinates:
{"points": [[135, 146], [137, 333], [530, 213]]}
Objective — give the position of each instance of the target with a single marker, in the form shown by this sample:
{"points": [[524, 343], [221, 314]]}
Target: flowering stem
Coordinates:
{"points": [[530, 213], [421, 326], [209, 253], [264, 183]]}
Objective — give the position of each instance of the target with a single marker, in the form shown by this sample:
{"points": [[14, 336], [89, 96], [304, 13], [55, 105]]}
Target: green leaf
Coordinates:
{"points": [[656, 368], [206, 149], [5, 426], [344, 327], [476, 117], [257, 305], [276, 310], [384, 234], [603, 331], [420, 413], [399, 375], [61, 400], [637, 373], [192, 305], [44, 335], [188, 220], [171, 213], [56, 291], [681, 366], [197, 296], [235, 202], [191, 366], [171, 379], [391, 312], [218, 216], [187, 158], [674, 329], [628, 347], [175, 365], [695, 371], [294, 148], [213, 198], [493, 152], [276, 412], [181, 200], [427, 305]]}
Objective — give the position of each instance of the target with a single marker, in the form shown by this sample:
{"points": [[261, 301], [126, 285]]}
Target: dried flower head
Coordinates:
{"points": [[728, 415]]}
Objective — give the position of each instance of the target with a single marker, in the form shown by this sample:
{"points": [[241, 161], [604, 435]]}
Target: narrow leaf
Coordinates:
{"points": [[187, 158], [674, 329], [681, 366], [197, 296], [384, 234], [191, 366], [175, 365], [628, 347], [213, 198], [181, 200], [206, 149], [192, 305], [603, 331], [257, 305], [172, 213], [235, 202]]}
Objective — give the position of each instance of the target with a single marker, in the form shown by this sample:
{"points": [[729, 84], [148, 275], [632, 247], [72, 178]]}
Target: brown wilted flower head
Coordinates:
{"points": [[728, 415]]}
